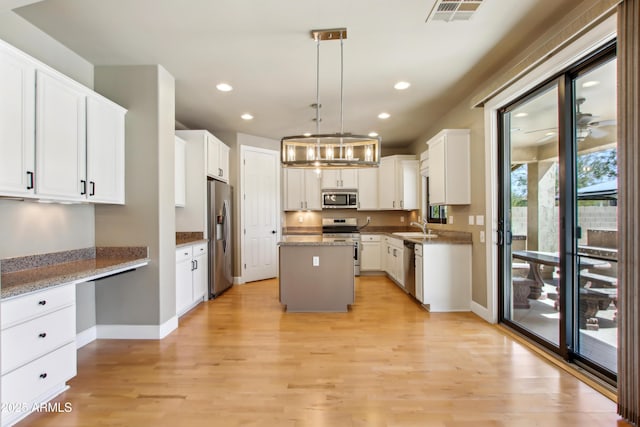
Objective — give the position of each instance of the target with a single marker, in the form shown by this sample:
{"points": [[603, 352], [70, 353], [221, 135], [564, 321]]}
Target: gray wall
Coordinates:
{"points": [[29, 228], [147, 295]]}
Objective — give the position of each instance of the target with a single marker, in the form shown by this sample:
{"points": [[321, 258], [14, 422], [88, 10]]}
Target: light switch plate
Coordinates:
{"points": [[471, 219], [316, 261], [451, 219], [480, 219]]}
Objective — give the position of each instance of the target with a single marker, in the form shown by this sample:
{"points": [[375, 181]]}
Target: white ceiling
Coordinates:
{"points": [[264, 50]]}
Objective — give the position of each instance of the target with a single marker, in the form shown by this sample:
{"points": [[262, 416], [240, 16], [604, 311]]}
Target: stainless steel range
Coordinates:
{"points": [[344, 229]]}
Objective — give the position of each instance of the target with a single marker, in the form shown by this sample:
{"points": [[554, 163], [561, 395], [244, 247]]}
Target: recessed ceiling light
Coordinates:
{"points": [[307, 134], [384, 116], [590, 83], [373, 134], [224, 87], [401, 85], [520, 115], [246, 116]]}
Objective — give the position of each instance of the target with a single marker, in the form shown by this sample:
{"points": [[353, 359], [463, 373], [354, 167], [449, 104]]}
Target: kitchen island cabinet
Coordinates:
{"points": [[316, 275]]}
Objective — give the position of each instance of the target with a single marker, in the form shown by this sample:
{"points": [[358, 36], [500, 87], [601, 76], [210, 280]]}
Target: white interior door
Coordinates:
{"points": [[260, 204]]}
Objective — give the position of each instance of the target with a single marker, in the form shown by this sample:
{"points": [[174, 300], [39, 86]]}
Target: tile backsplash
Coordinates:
{"points": [[378, 218]]}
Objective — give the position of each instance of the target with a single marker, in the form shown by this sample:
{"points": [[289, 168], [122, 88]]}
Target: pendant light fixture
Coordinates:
{"points": [[337, 150]]}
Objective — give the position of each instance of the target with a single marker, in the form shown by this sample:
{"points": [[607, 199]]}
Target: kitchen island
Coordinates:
{"points": [[316, 274]]}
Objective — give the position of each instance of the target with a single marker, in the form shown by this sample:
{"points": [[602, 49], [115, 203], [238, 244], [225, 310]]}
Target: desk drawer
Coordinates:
{"points": [[32, 305], [29, 340], [42, 375]]}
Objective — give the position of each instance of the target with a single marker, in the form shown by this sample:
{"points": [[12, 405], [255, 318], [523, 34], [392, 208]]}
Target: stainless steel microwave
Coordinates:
{"points": [[339, 200]]}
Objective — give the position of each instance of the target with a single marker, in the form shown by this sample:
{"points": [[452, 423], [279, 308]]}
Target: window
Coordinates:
{"points": [[434, 214]]}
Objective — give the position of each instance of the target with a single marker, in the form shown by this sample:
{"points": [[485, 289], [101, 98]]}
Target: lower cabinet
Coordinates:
{"points": [[371, 253], [394, 260], [38, 349], [446, 277], [191, 276]]}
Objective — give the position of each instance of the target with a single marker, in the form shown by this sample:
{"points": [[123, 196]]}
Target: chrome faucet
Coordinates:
{"points": [[422, 225]]}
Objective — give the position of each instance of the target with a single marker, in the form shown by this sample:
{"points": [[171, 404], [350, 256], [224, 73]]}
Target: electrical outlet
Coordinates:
{"points": [[402, 218], [451, 219], [480, 219], [368, 219], [471, 219], [316, 261]]}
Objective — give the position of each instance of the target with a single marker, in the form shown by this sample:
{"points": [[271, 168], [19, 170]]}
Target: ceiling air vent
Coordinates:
{"points": [[453, 10]]}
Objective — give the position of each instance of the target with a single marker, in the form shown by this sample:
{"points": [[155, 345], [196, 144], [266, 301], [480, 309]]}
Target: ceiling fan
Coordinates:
{"points": [[586, 126]]}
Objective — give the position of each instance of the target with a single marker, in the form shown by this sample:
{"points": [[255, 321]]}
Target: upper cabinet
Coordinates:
{"points": [[17, 124], [449, 168], [398, 182], [217, 158], [340, 178], [368, 188], [301, 190], [105, 150], [59, 139]]}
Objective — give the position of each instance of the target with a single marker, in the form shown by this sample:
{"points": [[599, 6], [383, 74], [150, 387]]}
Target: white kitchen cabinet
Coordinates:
{"points": [[395, 260], [17, 124], [60, 139], [446, 277], [38, 348], [367, 189], [105, 151], [419, 272], [340, 178], [302, 190], [371, 252], [449, 168], [180, 172], [217, 158], [398, 183], [191, 276]]}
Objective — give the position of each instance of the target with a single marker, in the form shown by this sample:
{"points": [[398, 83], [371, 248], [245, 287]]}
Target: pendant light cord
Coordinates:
{"points": [[341, 85]]}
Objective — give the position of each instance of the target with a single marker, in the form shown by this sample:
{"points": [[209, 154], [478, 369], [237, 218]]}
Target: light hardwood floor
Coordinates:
{"points": [[241, 361]]}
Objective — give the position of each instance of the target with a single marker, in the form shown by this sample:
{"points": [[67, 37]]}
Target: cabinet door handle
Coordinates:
{"points": [[219, 172], [394, 203], [402, 203], [305, 205], [43, 375], [42, 302], [192, 264], [196, 261], [42, 335], [84, 187], [301, 205], [30, 184], [93, 188]]}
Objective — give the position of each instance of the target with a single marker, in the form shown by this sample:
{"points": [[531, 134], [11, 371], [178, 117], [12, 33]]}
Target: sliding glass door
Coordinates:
{"points": [[557, 225]]}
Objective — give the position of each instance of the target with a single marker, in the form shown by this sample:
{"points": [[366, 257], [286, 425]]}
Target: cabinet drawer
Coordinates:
{"points": [[200, 249], [371, 237], [34, 379], [29, 340], [184, 253], [23, 308]]}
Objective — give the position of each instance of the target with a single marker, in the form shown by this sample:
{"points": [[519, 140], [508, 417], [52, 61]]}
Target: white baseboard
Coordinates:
{"points": [[85, 337], [137, 332], [481, 311], [237, 280]]}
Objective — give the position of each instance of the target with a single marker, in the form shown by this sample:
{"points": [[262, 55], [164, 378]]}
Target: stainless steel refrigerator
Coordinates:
{"points": [[220, 237]]}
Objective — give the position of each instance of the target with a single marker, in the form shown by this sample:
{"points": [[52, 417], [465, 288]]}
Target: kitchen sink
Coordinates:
{"points": [[416, 234]]}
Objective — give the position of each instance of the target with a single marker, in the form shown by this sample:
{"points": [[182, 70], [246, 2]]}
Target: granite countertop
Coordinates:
{"points": [[302, 240], [444, 236], [189, 238], [22, 275]]}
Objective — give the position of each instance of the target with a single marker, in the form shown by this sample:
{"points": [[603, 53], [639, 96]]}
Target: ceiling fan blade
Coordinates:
{"points": [[604, 123], [540, 130]]}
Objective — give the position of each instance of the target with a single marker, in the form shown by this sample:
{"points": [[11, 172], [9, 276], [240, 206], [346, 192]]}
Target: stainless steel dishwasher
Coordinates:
{"points": [[409, 265]]}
